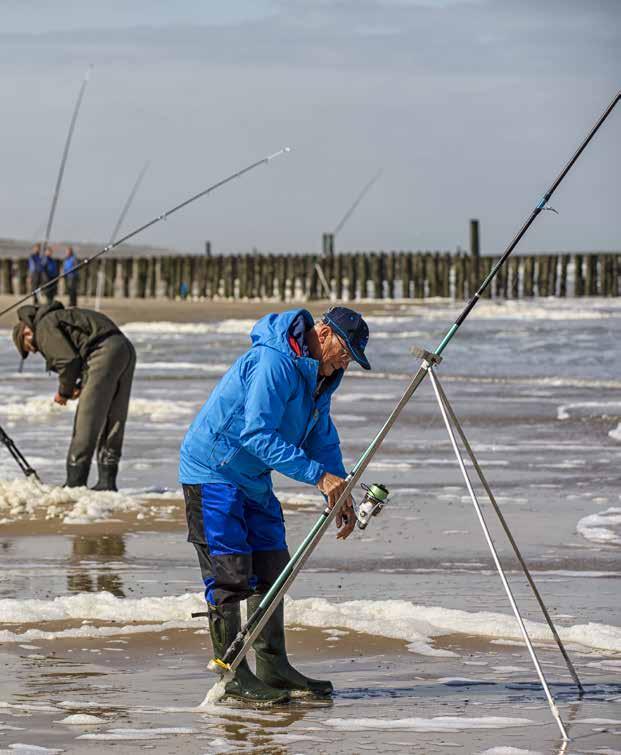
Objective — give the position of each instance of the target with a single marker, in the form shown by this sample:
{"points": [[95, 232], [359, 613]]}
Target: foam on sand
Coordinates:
{"points": [[439, 723], [603, 528], [419, 625], [397, 619], [136, 734], [25, 498], [31, 749], [509, 751], [82, 719]]}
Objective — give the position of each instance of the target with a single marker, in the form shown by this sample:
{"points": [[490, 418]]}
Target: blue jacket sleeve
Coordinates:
{"points": [[270, 382], [323, 444]]}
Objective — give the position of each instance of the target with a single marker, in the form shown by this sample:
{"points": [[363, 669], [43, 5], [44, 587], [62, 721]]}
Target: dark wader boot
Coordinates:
{"points": [[273, 666], [102, 412], [224, 626]]}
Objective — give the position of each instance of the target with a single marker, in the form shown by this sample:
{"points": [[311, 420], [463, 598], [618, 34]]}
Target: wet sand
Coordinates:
{"points": [[153, 515], [426, 550], [169, 310], [145, 691]]}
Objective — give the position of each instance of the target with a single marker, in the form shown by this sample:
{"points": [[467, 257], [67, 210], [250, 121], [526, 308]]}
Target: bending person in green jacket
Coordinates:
{"points": [[95, 362]]}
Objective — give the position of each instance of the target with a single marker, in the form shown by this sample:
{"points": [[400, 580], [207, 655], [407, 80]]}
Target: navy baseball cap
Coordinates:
{"points": [[351, 327]]}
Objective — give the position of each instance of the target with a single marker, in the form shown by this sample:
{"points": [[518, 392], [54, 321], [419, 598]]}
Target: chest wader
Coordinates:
{"points": [[102, 412]]}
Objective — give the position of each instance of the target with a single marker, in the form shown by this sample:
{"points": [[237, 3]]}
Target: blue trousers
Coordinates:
{"points": [[240, 543]]}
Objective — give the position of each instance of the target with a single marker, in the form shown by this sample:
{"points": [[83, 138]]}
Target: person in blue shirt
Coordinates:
{"points": [[35, 270], [270, 411], [50, 271], [71, 276]]}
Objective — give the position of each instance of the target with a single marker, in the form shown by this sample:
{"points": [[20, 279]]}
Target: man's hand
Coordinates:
{"points": [[75, 393], [60, 399], [332, 487], [345, 520]]}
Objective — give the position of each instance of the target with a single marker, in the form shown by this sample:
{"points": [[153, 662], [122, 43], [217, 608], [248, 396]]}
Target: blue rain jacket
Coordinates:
{"points": [[264, 415]]}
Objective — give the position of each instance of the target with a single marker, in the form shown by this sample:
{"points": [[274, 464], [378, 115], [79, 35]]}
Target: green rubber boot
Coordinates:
{"points": [[273, 666], [224, 626]]}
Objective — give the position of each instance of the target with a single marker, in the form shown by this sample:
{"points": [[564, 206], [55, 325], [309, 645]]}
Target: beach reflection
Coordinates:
{"points": [[86, 576]]}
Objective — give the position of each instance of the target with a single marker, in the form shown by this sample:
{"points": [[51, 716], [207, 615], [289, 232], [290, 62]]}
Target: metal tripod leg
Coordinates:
{"points": [[527, 640], [510, 537]]}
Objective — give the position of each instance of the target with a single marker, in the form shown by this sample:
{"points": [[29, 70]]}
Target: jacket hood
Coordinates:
{"points": [[27, 314], [273, 330], [31, 315]]}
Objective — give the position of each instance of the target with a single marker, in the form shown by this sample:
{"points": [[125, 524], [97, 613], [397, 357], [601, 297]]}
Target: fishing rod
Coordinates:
{"points": [[150, 223], [128, 202], [101, 278], [320, 273], [63, 161], [242, 643], [357, 201], [19, 457]]}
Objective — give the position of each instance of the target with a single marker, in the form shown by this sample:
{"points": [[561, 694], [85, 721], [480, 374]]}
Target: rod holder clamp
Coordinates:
{"points": [[428, 356]]}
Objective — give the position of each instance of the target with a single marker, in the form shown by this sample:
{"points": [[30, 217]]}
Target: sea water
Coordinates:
{"points": [[537, 387]]}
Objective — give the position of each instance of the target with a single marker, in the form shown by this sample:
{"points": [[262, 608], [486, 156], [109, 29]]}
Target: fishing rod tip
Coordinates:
{"points": [[282, 151]]}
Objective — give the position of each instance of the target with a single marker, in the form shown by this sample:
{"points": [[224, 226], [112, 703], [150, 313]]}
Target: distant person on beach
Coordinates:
{"points": [[95, 362], [71, 276], [50, 272], [271, 411], [35, 270]]}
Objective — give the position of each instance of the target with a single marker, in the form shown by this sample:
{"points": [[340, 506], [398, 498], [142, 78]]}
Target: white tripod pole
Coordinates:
{"points": [[488, 538]]}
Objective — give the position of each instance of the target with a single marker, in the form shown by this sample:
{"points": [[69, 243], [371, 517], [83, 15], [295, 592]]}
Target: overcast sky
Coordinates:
{"points": [[470, 107]]}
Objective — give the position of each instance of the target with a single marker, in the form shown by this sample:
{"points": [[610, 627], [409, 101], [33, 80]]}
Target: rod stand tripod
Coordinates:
{"points": [[19, 457], [454, 429]]}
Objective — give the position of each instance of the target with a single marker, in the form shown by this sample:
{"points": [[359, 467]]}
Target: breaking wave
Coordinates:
{"points": [[225, 327], [603, 409], [41, 407]]}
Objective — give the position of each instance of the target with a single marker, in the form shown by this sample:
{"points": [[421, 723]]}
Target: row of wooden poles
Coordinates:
{"points": [[349, 276]]}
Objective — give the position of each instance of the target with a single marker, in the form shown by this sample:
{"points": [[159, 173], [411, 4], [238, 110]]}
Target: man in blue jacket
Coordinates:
{"points": [[270, 411], [35, 270], [71, 276], [50, 273]]}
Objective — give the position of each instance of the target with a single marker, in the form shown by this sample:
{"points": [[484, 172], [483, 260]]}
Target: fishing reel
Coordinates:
{"points": [[375, 498]]}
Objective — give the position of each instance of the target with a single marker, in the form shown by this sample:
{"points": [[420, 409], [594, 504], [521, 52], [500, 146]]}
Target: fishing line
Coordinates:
{"points": [[140, 229]]}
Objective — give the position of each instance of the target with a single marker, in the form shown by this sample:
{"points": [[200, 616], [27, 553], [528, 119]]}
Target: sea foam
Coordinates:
{"points": [[396, 619], [26, 498], [437, 724], [225, 327], [38, 408], [603, 528]]}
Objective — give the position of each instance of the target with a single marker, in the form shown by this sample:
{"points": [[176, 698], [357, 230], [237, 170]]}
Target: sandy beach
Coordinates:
{"points": [[168, 310]]}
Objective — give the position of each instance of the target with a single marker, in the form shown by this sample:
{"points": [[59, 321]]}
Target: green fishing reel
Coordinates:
{"points": [[375, 498]]}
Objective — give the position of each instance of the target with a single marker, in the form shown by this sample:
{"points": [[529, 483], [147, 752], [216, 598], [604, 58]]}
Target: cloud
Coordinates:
{"points": [[470, 106], [482, 38]]}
